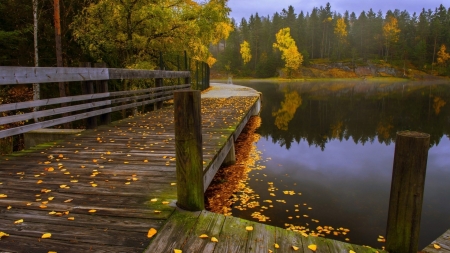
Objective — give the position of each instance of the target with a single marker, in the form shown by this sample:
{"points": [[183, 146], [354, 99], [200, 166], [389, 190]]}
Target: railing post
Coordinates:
{"points": [[102, 87], [188, 147], [187, 80], [159, 81], [87, 87], [408, 180]]}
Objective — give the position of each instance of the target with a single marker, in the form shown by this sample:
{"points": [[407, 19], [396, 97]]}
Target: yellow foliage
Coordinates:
{"points": [[246, 52], [289, 106], [438, 103], [341, 29], [443, 56], [289, 51]]}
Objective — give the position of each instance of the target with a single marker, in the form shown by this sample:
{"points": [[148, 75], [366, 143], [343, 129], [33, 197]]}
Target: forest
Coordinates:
{"points": [[417, 41]]}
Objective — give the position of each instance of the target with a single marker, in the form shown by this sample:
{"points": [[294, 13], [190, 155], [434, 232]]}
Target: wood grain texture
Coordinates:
{"points": [[443, 243]]}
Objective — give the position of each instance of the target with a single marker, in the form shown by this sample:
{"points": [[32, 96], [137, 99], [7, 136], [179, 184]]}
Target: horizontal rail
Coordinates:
{"points": [[29, 75]]}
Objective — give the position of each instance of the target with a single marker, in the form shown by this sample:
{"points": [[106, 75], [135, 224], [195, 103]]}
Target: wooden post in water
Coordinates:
{"points": [[408, 180], [188, 147]]}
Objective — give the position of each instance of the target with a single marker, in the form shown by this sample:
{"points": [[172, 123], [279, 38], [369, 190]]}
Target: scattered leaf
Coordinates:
{"points": [[43, 206], [71, 218], [213, 239], [63, 186], [276, 246], [157, 211], [127, 182], [154, 200], [177, 251], [18, 221], [312, 247], [46, 235], [249, 228], [203, 236], [52, 212], [151, 232], [9, 207], [94, 185], [173, 184], [51, 198], [3, 196], [436, 246], [3, 234], [92, 211], [68, 200], [351, 251], [295, 248]]}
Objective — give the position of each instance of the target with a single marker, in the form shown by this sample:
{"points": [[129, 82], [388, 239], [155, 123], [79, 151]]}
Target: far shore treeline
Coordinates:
{"points": [[408, 41]]}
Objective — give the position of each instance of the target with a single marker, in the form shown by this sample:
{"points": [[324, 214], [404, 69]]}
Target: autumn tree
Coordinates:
{"points": [[340, 30], [390, 33], [289, 52], [443, 56], [245, 52], [133, 31]]}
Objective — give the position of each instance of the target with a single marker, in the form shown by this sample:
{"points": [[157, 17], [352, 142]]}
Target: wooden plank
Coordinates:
{"points": [[145, 74], [322, 245], [209, 224], [261, 239], [233, 238], [52, 101], [442, 241], [174, 233], [286, 239], [15, 243], [26, 75], [218, 159]]}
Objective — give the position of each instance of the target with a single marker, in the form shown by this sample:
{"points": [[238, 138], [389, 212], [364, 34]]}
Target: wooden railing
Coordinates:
{"points": [[88, 105]]}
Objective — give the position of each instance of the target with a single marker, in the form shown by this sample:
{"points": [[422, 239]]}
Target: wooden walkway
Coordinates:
{"points": [[440, 245], [102, 191]]}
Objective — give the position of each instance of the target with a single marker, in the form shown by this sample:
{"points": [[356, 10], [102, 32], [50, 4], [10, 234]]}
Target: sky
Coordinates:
{"points": [[244, 8]]}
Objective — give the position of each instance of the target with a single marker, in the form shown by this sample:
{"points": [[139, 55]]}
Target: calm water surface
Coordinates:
{"points": [[334, 143]]}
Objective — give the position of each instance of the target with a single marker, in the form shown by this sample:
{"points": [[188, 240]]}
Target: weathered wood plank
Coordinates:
{"points": [[322, 245], [174, 232], [210, 224], [286, 239], [443, 242], [261, 239], [28, 75], [233, 238]]}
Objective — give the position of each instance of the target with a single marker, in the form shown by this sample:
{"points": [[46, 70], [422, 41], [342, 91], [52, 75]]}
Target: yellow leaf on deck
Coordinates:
{"points": [[312, 247], [154, 200], [9, 207], [43, 206], [51, 198], [92, 211], [203, 236], [50, 169], [52, 212], [173, 184], [94, 185], [68, 200], [95, 160], [213, 239], [295, 248], [157, 211], [3, 234], [276, 246], [127, 182], [46, 235], [249, 228], [66, 212], [71, 218], [145, 161], [151, 232], [3, 196], [351, 251], [18, 221], [63, 186], [52, 252], [436, 246], [177, 251]]}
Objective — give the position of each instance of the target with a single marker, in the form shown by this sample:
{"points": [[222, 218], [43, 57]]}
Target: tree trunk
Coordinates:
{"points": [[36, 88]]}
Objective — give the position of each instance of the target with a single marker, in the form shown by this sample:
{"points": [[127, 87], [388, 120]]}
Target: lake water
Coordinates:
{"points": [[333, 143]]}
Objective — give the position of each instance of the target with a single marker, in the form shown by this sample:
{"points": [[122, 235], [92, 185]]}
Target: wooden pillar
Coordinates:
{"points": [[408, 180], [102, 87], [188, 147], [187, 80], [159, 81], [87, 87]]}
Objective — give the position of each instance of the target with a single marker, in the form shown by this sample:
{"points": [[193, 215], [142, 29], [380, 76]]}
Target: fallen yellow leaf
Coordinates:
{"points": [[127, 183], [39, 182], [151, 232], [68, 200], [50, 169], [63, 186], [46, 235], [436, 246], [351, 251], [295, 248], [18, 221], [312, 247], [94, 185], [92, 211], [165, 202], [154, 200], [52, 212], [3, 234], [276, 246], [173, 184], [157, 211], [51, 198], [249, 228], [9, 207], [3, 196], [177, 251], [203, 236], [213, 239], [71, 218], [52, 252]]}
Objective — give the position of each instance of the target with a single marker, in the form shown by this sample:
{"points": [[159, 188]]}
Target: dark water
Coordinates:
{"points": [[334, 144]]}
